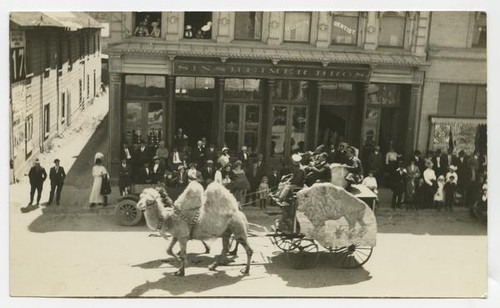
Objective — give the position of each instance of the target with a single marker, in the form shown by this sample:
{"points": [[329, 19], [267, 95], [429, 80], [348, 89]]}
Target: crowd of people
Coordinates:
{"points": [[242, 174], [437, 180]]}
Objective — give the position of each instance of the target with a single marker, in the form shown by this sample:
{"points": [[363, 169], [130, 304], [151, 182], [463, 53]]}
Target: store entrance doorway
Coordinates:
{"points": [[333, 128], [195, 119]]}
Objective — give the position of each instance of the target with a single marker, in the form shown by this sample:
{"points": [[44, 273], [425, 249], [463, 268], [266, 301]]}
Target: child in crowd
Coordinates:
{"points": [[371, 182], [450, 189], [263, 192], [439, 195]]}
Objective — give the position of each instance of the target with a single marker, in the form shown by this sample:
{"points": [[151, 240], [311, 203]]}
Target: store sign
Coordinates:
{"points": [[353, 74], [17, 56]]}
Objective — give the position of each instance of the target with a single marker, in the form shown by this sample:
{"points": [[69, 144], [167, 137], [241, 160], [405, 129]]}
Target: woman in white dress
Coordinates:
{"points": [[97, 172]]}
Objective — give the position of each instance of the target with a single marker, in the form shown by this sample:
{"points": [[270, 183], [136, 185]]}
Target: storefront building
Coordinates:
{"points": [[454, 106], [273, 81], [55, 71]]}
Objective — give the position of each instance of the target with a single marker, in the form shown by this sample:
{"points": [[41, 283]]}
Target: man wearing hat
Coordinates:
{"points": [[244, 157], [37, 176], [56, 176]]}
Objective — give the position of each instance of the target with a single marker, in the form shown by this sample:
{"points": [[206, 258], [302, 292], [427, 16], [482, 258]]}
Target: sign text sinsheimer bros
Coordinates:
{"points": [[354, 74]]}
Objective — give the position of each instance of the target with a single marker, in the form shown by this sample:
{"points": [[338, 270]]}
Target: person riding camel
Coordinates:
{"points": [[319, 171]]}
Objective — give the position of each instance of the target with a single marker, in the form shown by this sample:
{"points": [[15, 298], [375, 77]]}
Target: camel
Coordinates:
{"points": [[199, 215]]}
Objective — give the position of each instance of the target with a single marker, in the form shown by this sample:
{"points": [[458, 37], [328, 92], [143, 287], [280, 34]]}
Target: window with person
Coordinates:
{"points": [[297, 26], [392, 29], [248, 26], [198, 25], [479, 36], [147, 24], [345, 28]]}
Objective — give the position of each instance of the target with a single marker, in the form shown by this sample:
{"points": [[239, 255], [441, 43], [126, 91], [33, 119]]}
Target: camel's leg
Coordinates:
{"points": [[222, 259], [207, 248], [183, 256], [244, 242], [171, 246], [234, 252]]}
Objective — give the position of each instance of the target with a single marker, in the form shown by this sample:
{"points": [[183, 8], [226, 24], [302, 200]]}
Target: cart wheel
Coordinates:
{"points": [[127, 213], [352, 256], [283, 242], [303, 254]]}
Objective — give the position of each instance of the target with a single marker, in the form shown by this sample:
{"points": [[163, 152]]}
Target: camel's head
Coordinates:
{"points": [[148, 197]]}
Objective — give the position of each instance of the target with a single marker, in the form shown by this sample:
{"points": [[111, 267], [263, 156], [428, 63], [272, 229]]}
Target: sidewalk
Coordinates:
{"points": [[69, 148]]}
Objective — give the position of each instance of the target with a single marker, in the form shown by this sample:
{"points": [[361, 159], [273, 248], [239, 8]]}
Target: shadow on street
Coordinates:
{"points": [[325, 272]]}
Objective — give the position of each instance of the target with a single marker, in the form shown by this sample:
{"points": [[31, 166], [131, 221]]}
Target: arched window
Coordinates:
{"points": [[392, 29]]}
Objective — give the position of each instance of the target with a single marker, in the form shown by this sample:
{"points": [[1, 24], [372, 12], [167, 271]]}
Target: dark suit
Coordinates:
{"points": [[56, 182], [158, 176], [211, 155], [208, 176], [125, 177], [254, 175], [245, 159], [143, 155], [37, 176], [398, 184], [441, 169], [198, 156], [171, 165], [144, 176]]}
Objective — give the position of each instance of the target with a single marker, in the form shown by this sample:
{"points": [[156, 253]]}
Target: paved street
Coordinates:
{"points": [[88, 254]]}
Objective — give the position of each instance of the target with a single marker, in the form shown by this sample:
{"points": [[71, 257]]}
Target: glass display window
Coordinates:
{"points": [[241, 126], [292, 90], [288, 130], [242, 88], [144, 121], [194, 87]]}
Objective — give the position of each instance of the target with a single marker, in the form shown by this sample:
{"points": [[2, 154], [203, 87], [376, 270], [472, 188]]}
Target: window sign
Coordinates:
{"points": [[345, 28], [297, 26]]}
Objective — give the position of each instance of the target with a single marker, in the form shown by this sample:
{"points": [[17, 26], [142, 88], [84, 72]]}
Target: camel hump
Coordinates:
{"points": [[220, 199], [192, 197], [339, 172]]}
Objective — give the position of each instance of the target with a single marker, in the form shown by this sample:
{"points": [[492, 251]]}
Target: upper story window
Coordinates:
{"points": [[392, 29], [248, 26], [297, 26], [198, 25], [345, 28], [479, 36], [147, 24]]}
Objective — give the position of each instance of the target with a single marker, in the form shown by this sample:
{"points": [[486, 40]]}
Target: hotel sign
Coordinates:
{"points": [[250, 70]]}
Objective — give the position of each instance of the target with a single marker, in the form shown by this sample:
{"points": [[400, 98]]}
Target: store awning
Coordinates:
{"points": [[68, 20], [296, 54], [452, 120]]}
